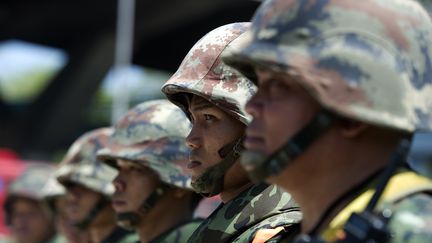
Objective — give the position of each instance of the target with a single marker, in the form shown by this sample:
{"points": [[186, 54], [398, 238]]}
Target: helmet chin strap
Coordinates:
{"points": [[130, 220], [97, 208], [211, 182], [260, 166]]}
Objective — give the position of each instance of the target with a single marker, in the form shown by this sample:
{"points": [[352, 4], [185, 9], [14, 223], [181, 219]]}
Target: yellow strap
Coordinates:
{"points": [[399, 186], [263, 235]]}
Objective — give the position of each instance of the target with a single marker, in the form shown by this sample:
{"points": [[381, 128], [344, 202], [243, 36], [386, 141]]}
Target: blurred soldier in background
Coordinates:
{"points": [[55, 196], [342, 86], [29, 219], [153, 193], [89, 188], [213, 95]]}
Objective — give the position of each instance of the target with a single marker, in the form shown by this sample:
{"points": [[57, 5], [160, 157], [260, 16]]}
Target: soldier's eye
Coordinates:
{"points": [[208, 117]]}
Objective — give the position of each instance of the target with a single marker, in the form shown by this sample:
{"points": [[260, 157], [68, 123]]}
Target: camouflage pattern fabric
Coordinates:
{"points": [[81, 166], [153, 134], [261, 206], [412, 219], [179, 234], [365, 60], [32, 180], [204, 74]]}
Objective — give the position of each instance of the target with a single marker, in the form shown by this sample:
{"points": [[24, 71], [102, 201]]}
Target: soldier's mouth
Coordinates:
{"points": [[193, 164]]}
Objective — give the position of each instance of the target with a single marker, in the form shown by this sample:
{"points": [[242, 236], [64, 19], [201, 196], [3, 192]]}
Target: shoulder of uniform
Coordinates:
{"points": [[182, 233], [191, 226], [130, 238], [412, 218], [271, 226]]}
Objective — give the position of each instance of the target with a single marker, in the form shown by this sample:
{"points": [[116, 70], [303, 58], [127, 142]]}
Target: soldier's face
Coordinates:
{"points": [[29, 222], [79, 202], [212, 128], [279, 109], [133, 185]]}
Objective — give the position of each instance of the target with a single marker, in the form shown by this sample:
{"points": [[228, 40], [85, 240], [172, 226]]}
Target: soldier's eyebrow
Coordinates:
{"points": [[200, 107]]}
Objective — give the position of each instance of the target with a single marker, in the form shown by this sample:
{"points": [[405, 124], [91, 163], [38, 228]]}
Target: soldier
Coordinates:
{"points": [[88, 184], [26, 214], [213, 95], [153, 193], [340, 84], [54, 195]]}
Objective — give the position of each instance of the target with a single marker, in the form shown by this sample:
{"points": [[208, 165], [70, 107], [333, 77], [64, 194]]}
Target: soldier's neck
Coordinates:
{"points": [[102, 226], [166, 214], [236, 181], [230, 193], [322, 175]]}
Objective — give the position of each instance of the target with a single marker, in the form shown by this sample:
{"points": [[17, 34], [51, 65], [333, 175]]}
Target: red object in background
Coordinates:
{"points": [[10, 167]]}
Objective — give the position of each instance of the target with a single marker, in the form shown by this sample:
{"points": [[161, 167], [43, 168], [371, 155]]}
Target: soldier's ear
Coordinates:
{"points": [[351, 128]]}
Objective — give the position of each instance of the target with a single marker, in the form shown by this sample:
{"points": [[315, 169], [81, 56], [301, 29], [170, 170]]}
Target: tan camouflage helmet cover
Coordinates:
{"points": [[202, 73], [153, 134], [31, 181], [80, 165], [368, 60]]}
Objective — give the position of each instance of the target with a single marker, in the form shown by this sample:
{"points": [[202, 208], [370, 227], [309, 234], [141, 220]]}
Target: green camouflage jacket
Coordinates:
{"points": [[259, 207], [178, 234]]}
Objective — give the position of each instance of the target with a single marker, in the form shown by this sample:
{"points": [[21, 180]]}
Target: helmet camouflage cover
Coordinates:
{"points": [[204, 74], [32, 180], [366, 60], [28, 184], [80, 165], [153, 134]]}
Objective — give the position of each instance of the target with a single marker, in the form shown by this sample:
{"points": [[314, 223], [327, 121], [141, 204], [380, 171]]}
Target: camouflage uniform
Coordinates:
{"points": [[260, 207], [80, 166], [364, 60], [30, 185], [152, 134]]}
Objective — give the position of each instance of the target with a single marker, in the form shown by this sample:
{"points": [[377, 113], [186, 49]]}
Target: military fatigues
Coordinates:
{"points": [[259, 209], [178, 234], [368, 61]]}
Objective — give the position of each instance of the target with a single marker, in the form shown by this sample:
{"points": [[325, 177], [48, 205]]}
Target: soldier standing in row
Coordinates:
{"points": [[89, 188], [341, 84], [153, 194], [212, 95], [54, 194], [27, 215]]}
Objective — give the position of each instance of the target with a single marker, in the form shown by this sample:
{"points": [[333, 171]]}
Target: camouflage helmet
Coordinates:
{"points": [[203, 73], [52, 190], [365, 60], [80, 165], [28, 184], [152, 134]]}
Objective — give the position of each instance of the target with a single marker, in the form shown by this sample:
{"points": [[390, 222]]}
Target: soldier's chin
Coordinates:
{"points": [[253, 161]]}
